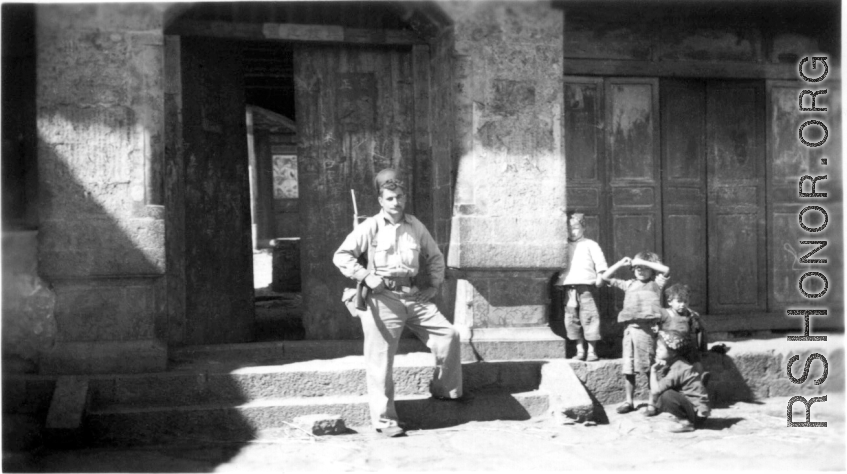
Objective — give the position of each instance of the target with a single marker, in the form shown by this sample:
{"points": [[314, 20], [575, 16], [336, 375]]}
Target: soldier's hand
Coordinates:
{"points": [[626, 261], [375, 283], [425, 295]]}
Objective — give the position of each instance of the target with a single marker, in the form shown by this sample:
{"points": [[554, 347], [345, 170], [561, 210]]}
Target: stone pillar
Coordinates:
{"points": [[101, 234], [508, 230]]}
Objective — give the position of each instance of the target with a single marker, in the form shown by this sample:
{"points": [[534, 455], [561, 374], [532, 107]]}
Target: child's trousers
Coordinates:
{"points": [[677, 404]]}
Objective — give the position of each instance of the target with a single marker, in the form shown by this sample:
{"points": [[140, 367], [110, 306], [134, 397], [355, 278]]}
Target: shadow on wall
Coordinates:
{"points": [[102, 253]]}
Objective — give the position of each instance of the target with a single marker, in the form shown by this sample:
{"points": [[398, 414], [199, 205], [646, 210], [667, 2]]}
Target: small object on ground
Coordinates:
{"points": [[719, 349], [391, 431], [320, 424], [465, 398], [390, 428], [624, 408], [592, 358], [562, 419], [651, 411], [590, 423], [682, 426]]}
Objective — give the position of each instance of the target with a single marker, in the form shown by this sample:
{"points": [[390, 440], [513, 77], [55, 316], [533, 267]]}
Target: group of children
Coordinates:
{"points": [[661, 343]]}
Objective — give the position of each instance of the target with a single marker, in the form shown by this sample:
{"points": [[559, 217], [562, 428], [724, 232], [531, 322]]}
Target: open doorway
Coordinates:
{"points": [[231, 216], [274, 191]]}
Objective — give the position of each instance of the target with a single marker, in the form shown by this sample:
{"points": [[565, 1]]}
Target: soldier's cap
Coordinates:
{"points": [[389, 178]]}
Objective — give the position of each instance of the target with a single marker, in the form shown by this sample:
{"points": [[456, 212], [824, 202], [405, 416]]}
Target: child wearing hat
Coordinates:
{"points": [[578, 283], [675, 387], [641, 311]]}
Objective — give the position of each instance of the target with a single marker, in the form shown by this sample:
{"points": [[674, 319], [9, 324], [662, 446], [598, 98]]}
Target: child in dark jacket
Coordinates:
{"points": [[675, 387], [679, 317]]}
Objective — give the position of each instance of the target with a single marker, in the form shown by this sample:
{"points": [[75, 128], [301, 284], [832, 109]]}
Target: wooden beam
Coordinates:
{"points": [[295, 32], [694, 69]]}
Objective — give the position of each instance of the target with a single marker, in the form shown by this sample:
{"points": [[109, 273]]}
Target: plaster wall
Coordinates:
{"points": [[508, 171]]}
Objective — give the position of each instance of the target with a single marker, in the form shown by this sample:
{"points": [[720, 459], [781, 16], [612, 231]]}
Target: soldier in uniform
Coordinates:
{"points": [[394, 241]]}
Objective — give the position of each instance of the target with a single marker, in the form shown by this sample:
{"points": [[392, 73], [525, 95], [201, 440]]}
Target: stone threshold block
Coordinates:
{"points": [[64, 424], [112, 357], [321, 424], [515, 343], [569, 399]]}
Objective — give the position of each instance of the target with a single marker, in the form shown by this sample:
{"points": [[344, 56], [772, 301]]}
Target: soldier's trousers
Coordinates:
{"points": [[388, 312]]}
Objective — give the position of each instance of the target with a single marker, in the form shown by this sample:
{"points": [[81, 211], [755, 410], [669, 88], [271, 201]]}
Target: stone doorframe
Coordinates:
{"points": [[425, 18]]}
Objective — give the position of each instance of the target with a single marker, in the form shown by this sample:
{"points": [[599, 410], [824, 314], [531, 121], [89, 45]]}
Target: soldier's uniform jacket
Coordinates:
{"points": [[393, 250]]}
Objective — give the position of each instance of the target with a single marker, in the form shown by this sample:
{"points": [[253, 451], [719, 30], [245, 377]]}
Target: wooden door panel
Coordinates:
{"points": [[685, 254], [217, 240], [734, 237], [632, 158], [355, 116], [631, 130], [583, 124], [788, 159], [684, 185], [583, 121], [736, 187]]}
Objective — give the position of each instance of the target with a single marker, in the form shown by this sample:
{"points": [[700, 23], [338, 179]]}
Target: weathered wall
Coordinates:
{"points": [[509, 198], [508, 213], [99, 120], [699, 40], [442, 145]]}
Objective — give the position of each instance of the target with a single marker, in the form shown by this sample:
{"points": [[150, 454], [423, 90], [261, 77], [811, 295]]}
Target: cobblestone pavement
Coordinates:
{"points": [[741, 436]]}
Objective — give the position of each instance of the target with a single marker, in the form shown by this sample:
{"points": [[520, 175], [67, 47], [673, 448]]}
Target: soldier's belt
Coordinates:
{"points": [[397, 283]]}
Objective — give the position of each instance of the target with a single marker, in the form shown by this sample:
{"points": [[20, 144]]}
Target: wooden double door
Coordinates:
{"points": [[676, 167]]}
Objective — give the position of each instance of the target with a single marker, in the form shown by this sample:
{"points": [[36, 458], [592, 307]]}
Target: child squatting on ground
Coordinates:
{"points": [[579, 282], [675, 387], [642, 310]]}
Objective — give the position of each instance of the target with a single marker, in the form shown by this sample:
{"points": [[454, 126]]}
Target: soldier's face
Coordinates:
{"points": [[393, 202]]}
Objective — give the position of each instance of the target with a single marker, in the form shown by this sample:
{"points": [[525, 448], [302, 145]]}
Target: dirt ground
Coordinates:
{"points": [[747, 436]]}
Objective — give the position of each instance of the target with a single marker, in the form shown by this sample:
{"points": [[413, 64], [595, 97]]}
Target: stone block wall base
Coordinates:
{"points": [[530, 343], [114, 357]]}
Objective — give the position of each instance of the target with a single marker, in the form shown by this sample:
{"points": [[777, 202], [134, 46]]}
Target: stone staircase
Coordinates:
{"points": [[231, 392]]}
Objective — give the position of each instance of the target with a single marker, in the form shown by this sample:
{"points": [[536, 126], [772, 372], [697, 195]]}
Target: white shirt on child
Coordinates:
{"points": [[585, 260]]}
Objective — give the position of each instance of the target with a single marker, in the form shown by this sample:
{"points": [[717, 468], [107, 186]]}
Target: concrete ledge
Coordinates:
{"points": [[529, 343], [73, 358], [751, 370]]}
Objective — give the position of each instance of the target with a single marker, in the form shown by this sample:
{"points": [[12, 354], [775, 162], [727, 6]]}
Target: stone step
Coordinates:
{"points": [[213, 383], [127, 424]]}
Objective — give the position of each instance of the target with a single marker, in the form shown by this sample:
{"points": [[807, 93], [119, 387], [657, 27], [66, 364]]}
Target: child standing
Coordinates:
{"points": [[641, 311], [679, 317], [675, 387], [579, 282]]}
